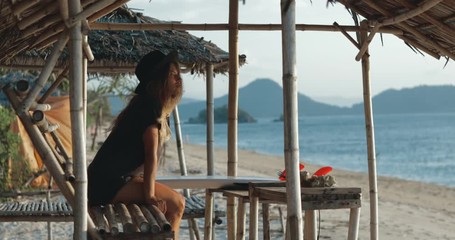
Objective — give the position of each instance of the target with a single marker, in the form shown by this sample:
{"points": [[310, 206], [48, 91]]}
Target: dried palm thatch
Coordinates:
{"points": [[118, 51], [426, 25]]}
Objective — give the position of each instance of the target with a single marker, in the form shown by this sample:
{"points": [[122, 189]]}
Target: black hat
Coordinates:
{"points": [[149, 65]]}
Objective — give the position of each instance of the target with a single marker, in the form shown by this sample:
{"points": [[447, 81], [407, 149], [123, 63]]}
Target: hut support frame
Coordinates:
{"points": [[291, 136], [369, 129]]}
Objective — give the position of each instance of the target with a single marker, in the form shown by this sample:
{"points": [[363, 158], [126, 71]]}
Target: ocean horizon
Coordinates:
{"points": [[418, 147]]}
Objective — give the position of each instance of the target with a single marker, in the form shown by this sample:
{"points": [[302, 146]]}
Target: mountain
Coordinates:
{"points": [[263, 98], [421, 99]]}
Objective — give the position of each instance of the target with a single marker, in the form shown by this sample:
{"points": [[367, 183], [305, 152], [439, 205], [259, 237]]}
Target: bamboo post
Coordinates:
{"points": [[208, 225], [291, 136], [369, 127], [178, 135], [233, 110], [45, 73], [210, 118], [80, 208]]}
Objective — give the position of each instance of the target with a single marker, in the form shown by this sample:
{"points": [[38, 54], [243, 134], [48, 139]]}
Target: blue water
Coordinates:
{"points": [[415, 147]]}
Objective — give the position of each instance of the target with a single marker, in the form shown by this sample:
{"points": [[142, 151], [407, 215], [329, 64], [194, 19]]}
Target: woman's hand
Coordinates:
{"points": [[160, 204]]}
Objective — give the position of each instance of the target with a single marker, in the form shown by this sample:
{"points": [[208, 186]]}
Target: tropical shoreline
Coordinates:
{"points": [[407, 209]]}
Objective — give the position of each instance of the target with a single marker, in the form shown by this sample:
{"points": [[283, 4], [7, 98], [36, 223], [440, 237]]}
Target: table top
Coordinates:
{"points": [[211, 182]]}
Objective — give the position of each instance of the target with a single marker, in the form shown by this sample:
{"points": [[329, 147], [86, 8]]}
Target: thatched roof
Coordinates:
{"points": [[119, 51], [425, 25]]}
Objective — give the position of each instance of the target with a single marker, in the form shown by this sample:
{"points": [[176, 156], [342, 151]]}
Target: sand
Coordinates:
{"points": [[407, 209]]}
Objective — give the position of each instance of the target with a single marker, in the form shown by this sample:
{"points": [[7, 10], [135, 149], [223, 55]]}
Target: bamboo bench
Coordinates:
{"points": [[135, 221]]}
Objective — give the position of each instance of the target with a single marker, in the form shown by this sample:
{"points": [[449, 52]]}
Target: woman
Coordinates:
{"points": [[136, 139]]}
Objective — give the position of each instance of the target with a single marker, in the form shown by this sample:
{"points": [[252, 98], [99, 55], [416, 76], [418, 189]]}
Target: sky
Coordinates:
{"points": [[326, 66]]}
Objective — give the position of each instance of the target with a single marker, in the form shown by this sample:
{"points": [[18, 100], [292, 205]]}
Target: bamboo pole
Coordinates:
{"points": [[81, 221], [447, 32], [369, 126], [224, 26], [210, 119], [87, 50], [423, 7], [43, 149], [63, 5], [186, 192], [45, 73], [233, 111], [291, 136], [54, 85], [36, 16], [101, 12], [19, 7], [367, 41], [88, 11]]}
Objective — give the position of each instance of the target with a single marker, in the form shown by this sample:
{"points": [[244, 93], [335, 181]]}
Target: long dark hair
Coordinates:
{"points": [[155, 91]]}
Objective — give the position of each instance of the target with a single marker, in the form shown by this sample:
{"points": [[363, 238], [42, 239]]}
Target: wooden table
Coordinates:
{"points": [[312, 199]]}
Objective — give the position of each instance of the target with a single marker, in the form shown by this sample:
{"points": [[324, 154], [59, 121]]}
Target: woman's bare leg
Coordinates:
{"points": [[133, 191]]}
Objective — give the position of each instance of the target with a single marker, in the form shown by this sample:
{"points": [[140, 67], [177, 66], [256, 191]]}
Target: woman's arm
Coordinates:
{"points": [[151, 146]]}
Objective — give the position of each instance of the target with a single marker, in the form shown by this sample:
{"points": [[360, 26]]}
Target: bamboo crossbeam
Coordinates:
{"points": [[106, 10], [448, 33], [154, 226], [18, 8], [139, 218], [50, 36], [44, 24], [352, 40], [46, 72], [223, 27], [367, 42], [36, 16], [125, 217], [423, 7], [86, 48], [90, 10]]}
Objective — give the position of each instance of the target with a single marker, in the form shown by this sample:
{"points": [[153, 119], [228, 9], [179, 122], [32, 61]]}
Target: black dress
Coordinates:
{"points": [[122, 152]]}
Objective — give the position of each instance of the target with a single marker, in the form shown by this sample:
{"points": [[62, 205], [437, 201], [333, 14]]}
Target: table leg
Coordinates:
{"points": [[354, 218], [254, 211], [241, 220], [208, 215], [310, 225], [266, 220]]}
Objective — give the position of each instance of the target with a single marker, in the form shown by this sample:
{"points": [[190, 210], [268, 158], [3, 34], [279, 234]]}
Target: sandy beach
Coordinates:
{"points": [[407, 210]]}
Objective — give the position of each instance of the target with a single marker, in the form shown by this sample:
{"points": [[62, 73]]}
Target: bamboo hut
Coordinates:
{"points": [[426, 26]]}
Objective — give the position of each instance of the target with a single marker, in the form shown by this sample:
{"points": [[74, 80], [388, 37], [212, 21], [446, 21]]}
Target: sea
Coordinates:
{"points": [[418, 147]]}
